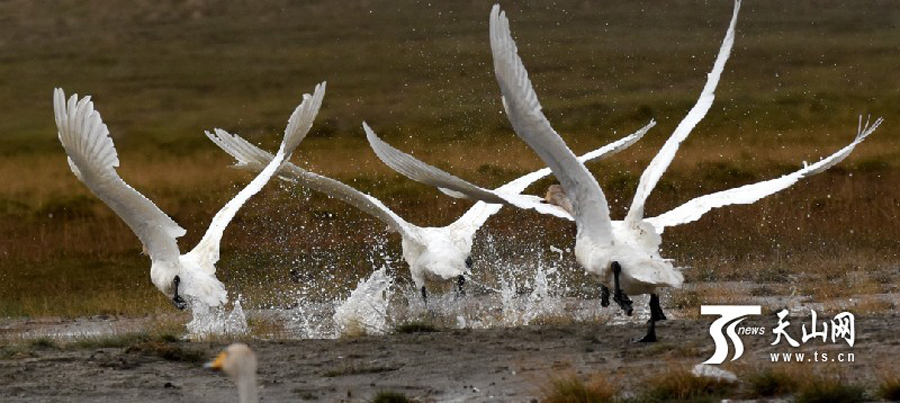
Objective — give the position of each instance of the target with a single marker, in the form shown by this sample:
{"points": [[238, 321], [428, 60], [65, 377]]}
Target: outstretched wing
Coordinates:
{"points": [[450, 185], [207, 251], [93, 159], [478, 214], [694, 209], [661, 161], [253, 158], [524, 112]]}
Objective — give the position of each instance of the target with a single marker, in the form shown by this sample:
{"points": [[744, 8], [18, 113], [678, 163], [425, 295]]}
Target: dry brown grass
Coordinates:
{"points": [[784, 99], [802, 384], [570, 388], [828, 389], [889, 385], [677, 383], [774, 381]]}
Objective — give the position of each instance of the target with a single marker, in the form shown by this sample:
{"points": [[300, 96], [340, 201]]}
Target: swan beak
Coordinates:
{"points": [[216, 365]]}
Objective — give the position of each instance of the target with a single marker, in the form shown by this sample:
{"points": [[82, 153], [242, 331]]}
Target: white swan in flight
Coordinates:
{"points": [[239, 362], [188, 279], [431, 252], [624, 255]]}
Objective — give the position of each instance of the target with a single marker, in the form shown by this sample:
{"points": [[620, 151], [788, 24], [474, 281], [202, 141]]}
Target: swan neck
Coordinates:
{"points": [[247, 388]]}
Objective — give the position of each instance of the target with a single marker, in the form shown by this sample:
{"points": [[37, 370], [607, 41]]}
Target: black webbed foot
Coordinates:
{"points": [[624, 302], [656, 314], [460, 282], [179, 302], [650, 337]]}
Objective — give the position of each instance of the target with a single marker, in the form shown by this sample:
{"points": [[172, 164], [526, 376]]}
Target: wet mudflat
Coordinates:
{"points": [[502, 364]]}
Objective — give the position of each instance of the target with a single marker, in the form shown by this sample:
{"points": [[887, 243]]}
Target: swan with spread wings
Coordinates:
{"points": [[189, 279], [439, 253], [623, 255]]}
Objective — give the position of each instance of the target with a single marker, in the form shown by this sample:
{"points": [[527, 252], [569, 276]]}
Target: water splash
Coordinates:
{"points": [[366, 310], [310, 319], [208, 321]]}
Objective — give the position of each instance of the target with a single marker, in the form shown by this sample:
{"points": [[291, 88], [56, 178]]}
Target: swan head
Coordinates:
{"points": [[237, 361], [166, 277], [557, 197]]}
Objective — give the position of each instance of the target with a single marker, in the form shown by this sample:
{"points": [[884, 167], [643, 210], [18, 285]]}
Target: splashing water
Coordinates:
{"points": [[521, 306], [312, 320], [208, 321], [509, 287], [366, 310]]}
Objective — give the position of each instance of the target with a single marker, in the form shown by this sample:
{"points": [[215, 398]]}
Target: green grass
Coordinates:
{"points": [[353, 369], [388, 396], [123, 340], [415, 327], [42, 343], [11, 351], [168, 351]]}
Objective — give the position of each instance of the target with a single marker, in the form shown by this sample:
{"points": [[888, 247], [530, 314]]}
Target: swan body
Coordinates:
{"points": [[598, 245], [187, 279], [621, 254], [442, 253], [239, 362]]}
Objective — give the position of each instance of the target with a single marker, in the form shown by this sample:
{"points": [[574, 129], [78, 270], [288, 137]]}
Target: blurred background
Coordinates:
{"points": [[420, 73]]}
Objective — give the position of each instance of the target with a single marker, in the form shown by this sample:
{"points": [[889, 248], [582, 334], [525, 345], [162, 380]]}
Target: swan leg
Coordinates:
{"points": [[604, 296], [460, 281], [656, 314], [621, 299], [424, 295], [176, 299], [655, 309]]}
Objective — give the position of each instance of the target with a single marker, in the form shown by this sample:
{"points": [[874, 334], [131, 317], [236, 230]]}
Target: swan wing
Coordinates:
{"points": [[253, 158], [207, 251], [93, 158], [450, 185], [694, 209], [524, 113], [473, 219], [661, 161]]}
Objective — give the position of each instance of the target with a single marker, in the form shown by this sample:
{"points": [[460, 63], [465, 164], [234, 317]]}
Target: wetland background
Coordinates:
{"points": [[420, 74]]}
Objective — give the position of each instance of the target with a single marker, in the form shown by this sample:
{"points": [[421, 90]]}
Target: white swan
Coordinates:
{"points": [[188, 279], [431, 252], [239, 362], [622, 254]]}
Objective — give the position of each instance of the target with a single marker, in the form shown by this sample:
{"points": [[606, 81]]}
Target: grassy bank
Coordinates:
{"points": [[421, 75]]}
